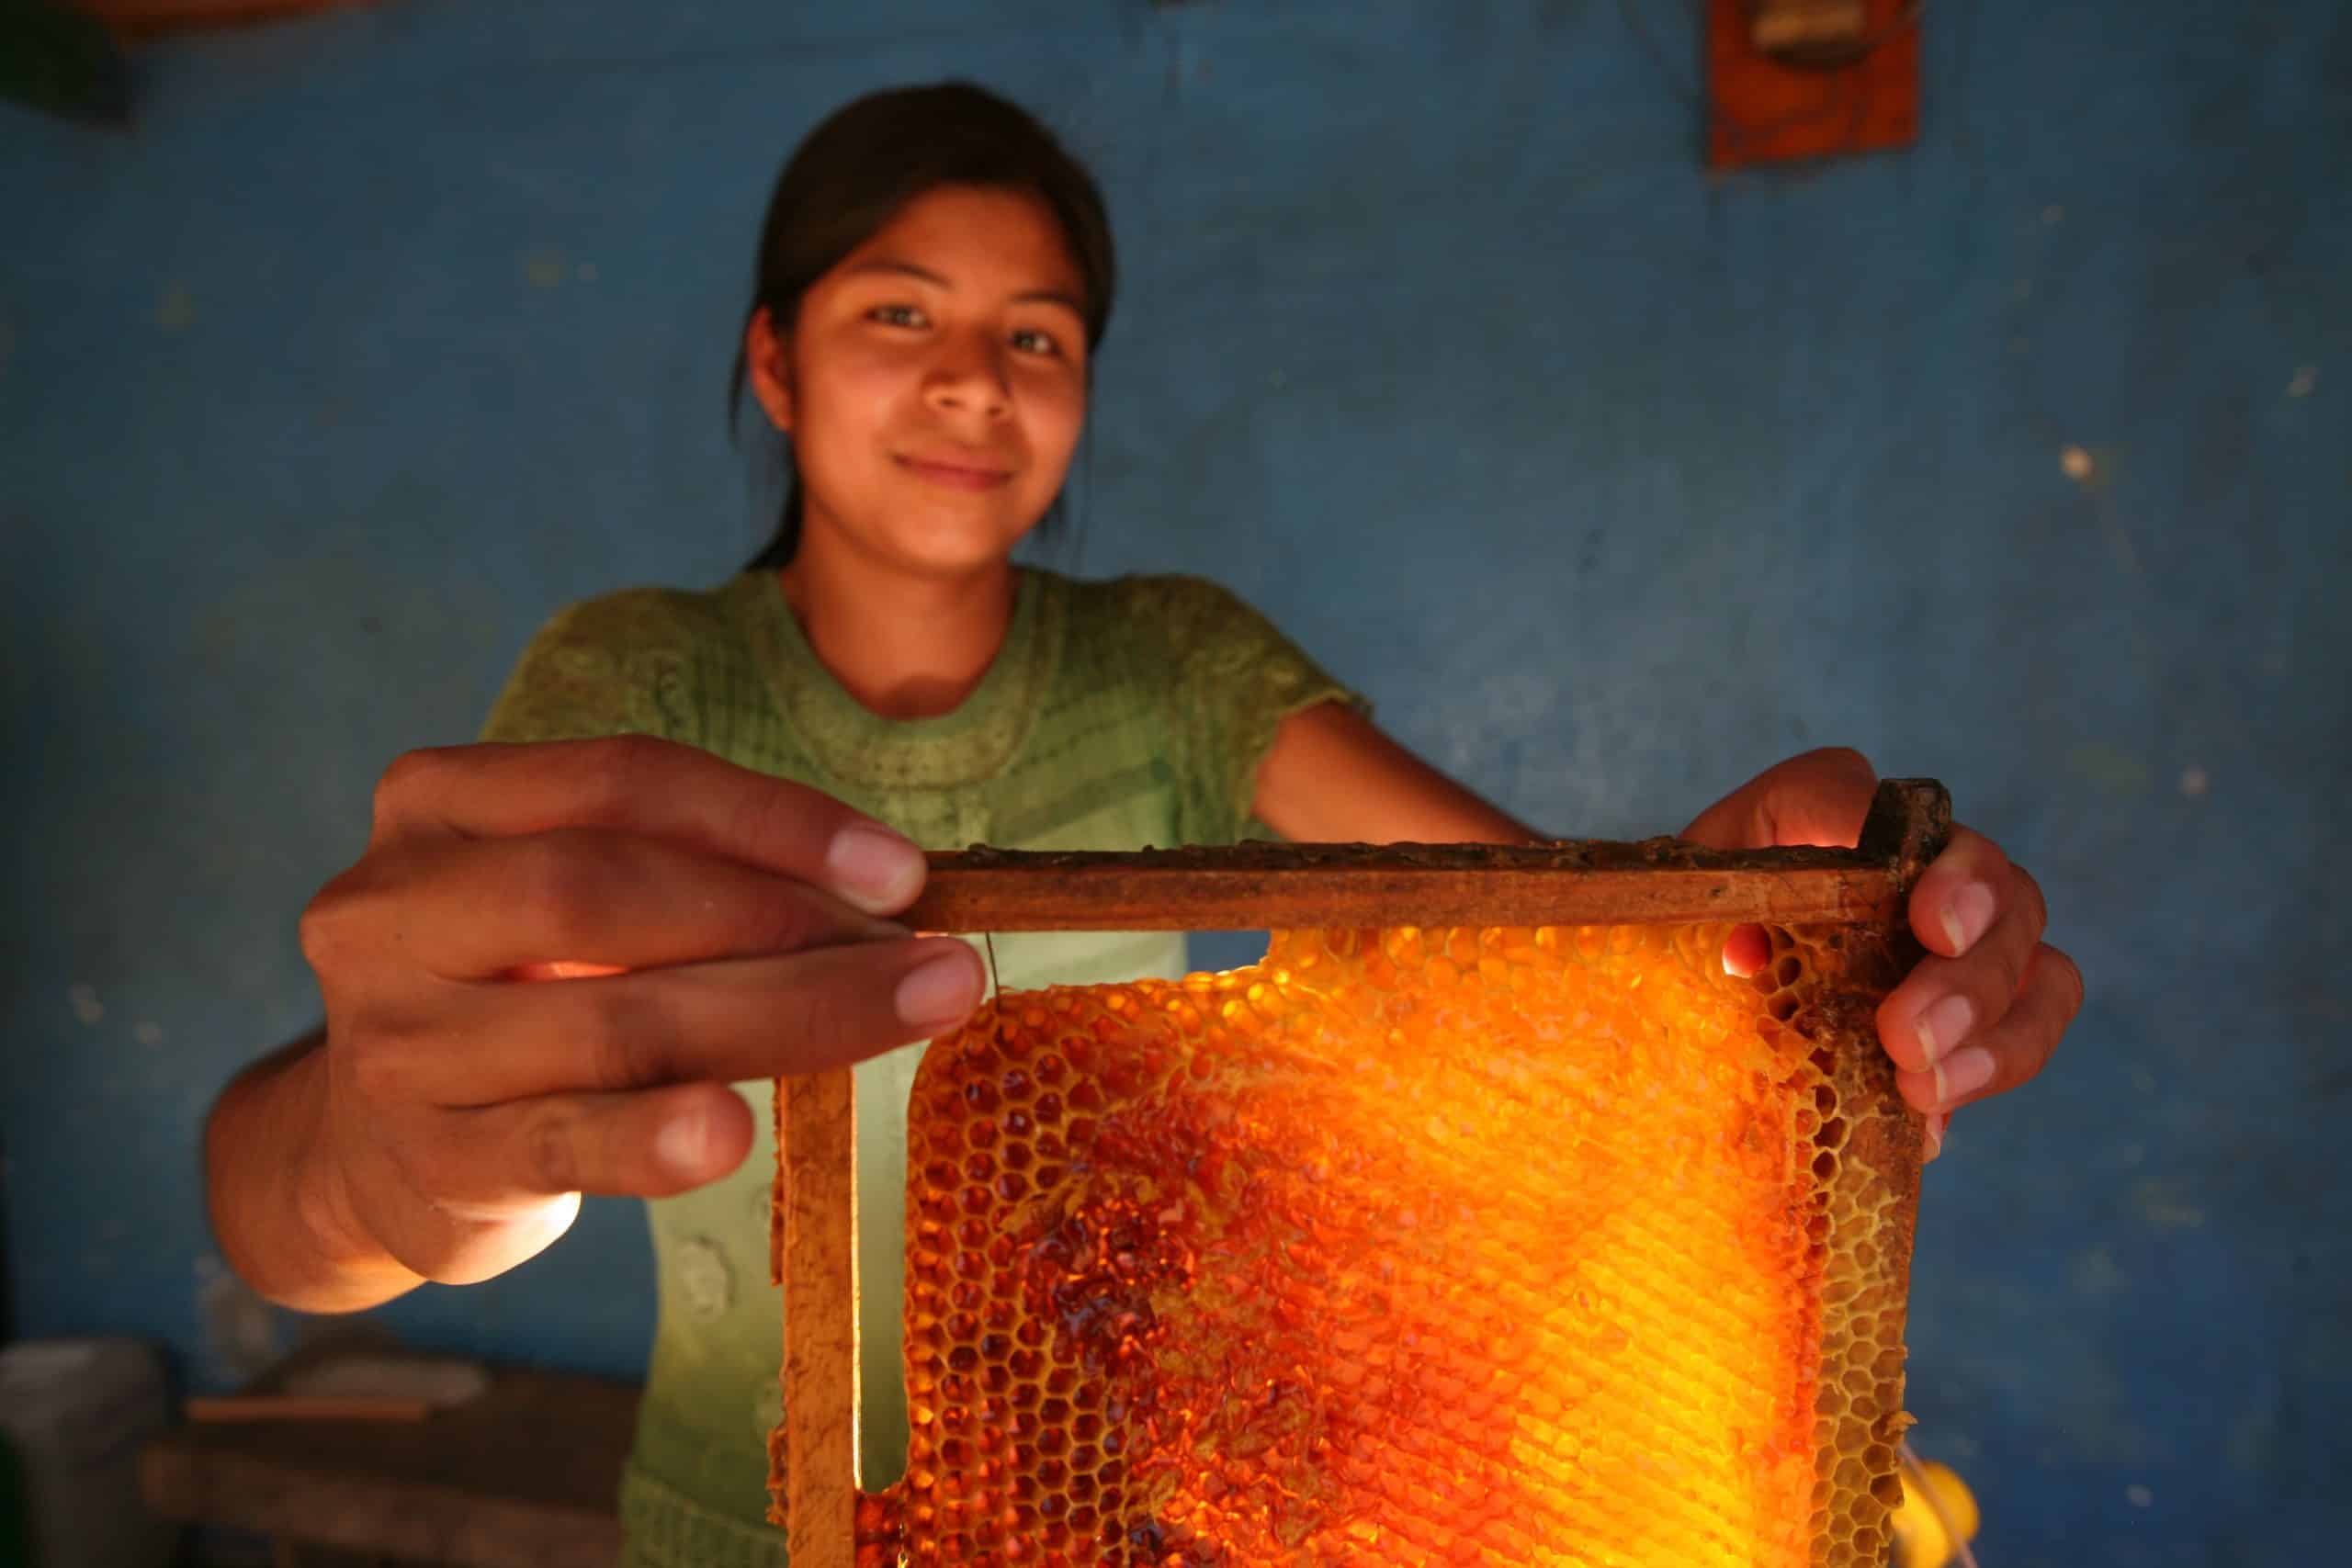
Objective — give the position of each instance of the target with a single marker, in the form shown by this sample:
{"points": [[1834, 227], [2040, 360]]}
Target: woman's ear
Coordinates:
{"points": [[769, 372]]}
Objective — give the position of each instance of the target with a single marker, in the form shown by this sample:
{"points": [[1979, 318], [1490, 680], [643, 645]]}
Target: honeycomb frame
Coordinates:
{"points": [[1816, 996]]}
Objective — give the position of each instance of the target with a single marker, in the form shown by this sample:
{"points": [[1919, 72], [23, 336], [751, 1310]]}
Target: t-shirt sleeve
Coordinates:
{"points": [[609, 666], [1236, 678]]}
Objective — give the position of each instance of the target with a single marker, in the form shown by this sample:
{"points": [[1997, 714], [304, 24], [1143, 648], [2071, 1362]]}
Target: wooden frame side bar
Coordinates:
{"points": [[822, 1394]]}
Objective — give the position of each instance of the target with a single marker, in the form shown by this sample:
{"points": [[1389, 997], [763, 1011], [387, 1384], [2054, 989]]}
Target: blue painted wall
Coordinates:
{"points": [[382, 336]]}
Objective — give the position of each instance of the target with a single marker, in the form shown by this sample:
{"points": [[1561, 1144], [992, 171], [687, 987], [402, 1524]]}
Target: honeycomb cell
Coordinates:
{"points": [[1505, 1247]]}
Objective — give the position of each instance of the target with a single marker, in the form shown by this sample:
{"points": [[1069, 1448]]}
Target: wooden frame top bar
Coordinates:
{"points": [[1578, 882]]}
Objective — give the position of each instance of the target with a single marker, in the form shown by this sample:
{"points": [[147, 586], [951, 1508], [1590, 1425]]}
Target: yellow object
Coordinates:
{"points": [[1921, 1538], [1506, 1247]]}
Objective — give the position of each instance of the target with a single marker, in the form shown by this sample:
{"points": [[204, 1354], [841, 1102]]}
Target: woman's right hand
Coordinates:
{"points": [[550, 963]]}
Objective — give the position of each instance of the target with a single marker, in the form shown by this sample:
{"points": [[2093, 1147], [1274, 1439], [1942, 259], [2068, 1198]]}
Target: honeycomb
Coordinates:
{"points": [[1501, 1246]]}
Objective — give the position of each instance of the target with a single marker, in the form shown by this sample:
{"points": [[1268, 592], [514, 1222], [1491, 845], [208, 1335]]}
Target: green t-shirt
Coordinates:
{"points": [[1117, 714]]}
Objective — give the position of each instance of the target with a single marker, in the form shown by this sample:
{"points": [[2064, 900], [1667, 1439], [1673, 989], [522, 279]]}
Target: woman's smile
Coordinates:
{"points": [[954, 472]]}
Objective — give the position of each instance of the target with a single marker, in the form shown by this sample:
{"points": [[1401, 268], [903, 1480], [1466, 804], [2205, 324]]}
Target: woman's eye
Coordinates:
{"points": [[1031, 341], [896, 315]]}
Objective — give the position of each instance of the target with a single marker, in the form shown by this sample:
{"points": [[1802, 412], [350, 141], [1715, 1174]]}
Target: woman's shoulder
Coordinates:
{"points": [[631, 660], [1169, 611], [636, 621]]}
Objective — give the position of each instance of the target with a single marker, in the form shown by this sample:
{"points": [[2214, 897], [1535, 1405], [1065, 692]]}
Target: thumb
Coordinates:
{"points": [[1820, 797]]}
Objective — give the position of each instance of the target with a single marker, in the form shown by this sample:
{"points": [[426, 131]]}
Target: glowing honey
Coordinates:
{"points": [[1502, 1246]]}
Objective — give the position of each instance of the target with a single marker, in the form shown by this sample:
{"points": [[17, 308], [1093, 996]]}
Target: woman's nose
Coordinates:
{"points": [[968, 377]]}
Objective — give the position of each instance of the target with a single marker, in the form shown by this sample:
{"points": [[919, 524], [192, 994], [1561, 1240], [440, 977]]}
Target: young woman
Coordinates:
{"points": [[721, 796]]}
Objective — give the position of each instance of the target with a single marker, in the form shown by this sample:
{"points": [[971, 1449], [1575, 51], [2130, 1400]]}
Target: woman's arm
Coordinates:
{"points": [[1332, 777], [278, 1215], [539, 980]]}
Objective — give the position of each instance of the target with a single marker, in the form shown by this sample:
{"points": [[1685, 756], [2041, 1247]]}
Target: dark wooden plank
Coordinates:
{"points": [[307, 1407], [527, 1476]]}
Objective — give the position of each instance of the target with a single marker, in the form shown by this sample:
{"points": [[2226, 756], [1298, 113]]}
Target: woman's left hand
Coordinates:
{"points": [[1983, 1011]]}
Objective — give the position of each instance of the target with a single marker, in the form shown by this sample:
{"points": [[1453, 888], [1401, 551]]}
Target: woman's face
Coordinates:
{"points": [[934, 383]]}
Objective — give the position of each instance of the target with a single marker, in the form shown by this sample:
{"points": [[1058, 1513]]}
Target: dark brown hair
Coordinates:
{"points": [[870, 158]]}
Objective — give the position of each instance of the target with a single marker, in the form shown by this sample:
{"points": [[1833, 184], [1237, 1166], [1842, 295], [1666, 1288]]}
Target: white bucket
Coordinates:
{"points": [[76, 1412]]}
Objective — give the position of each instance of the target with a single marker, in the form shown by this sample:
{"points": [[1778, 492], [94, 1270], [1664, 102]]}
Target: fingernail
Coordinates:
{"points": [[875, 870], [1966, 916], [683, 1142], [1963, 1073], [1935, 1133], [1943, 1025], [941, 992]]}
